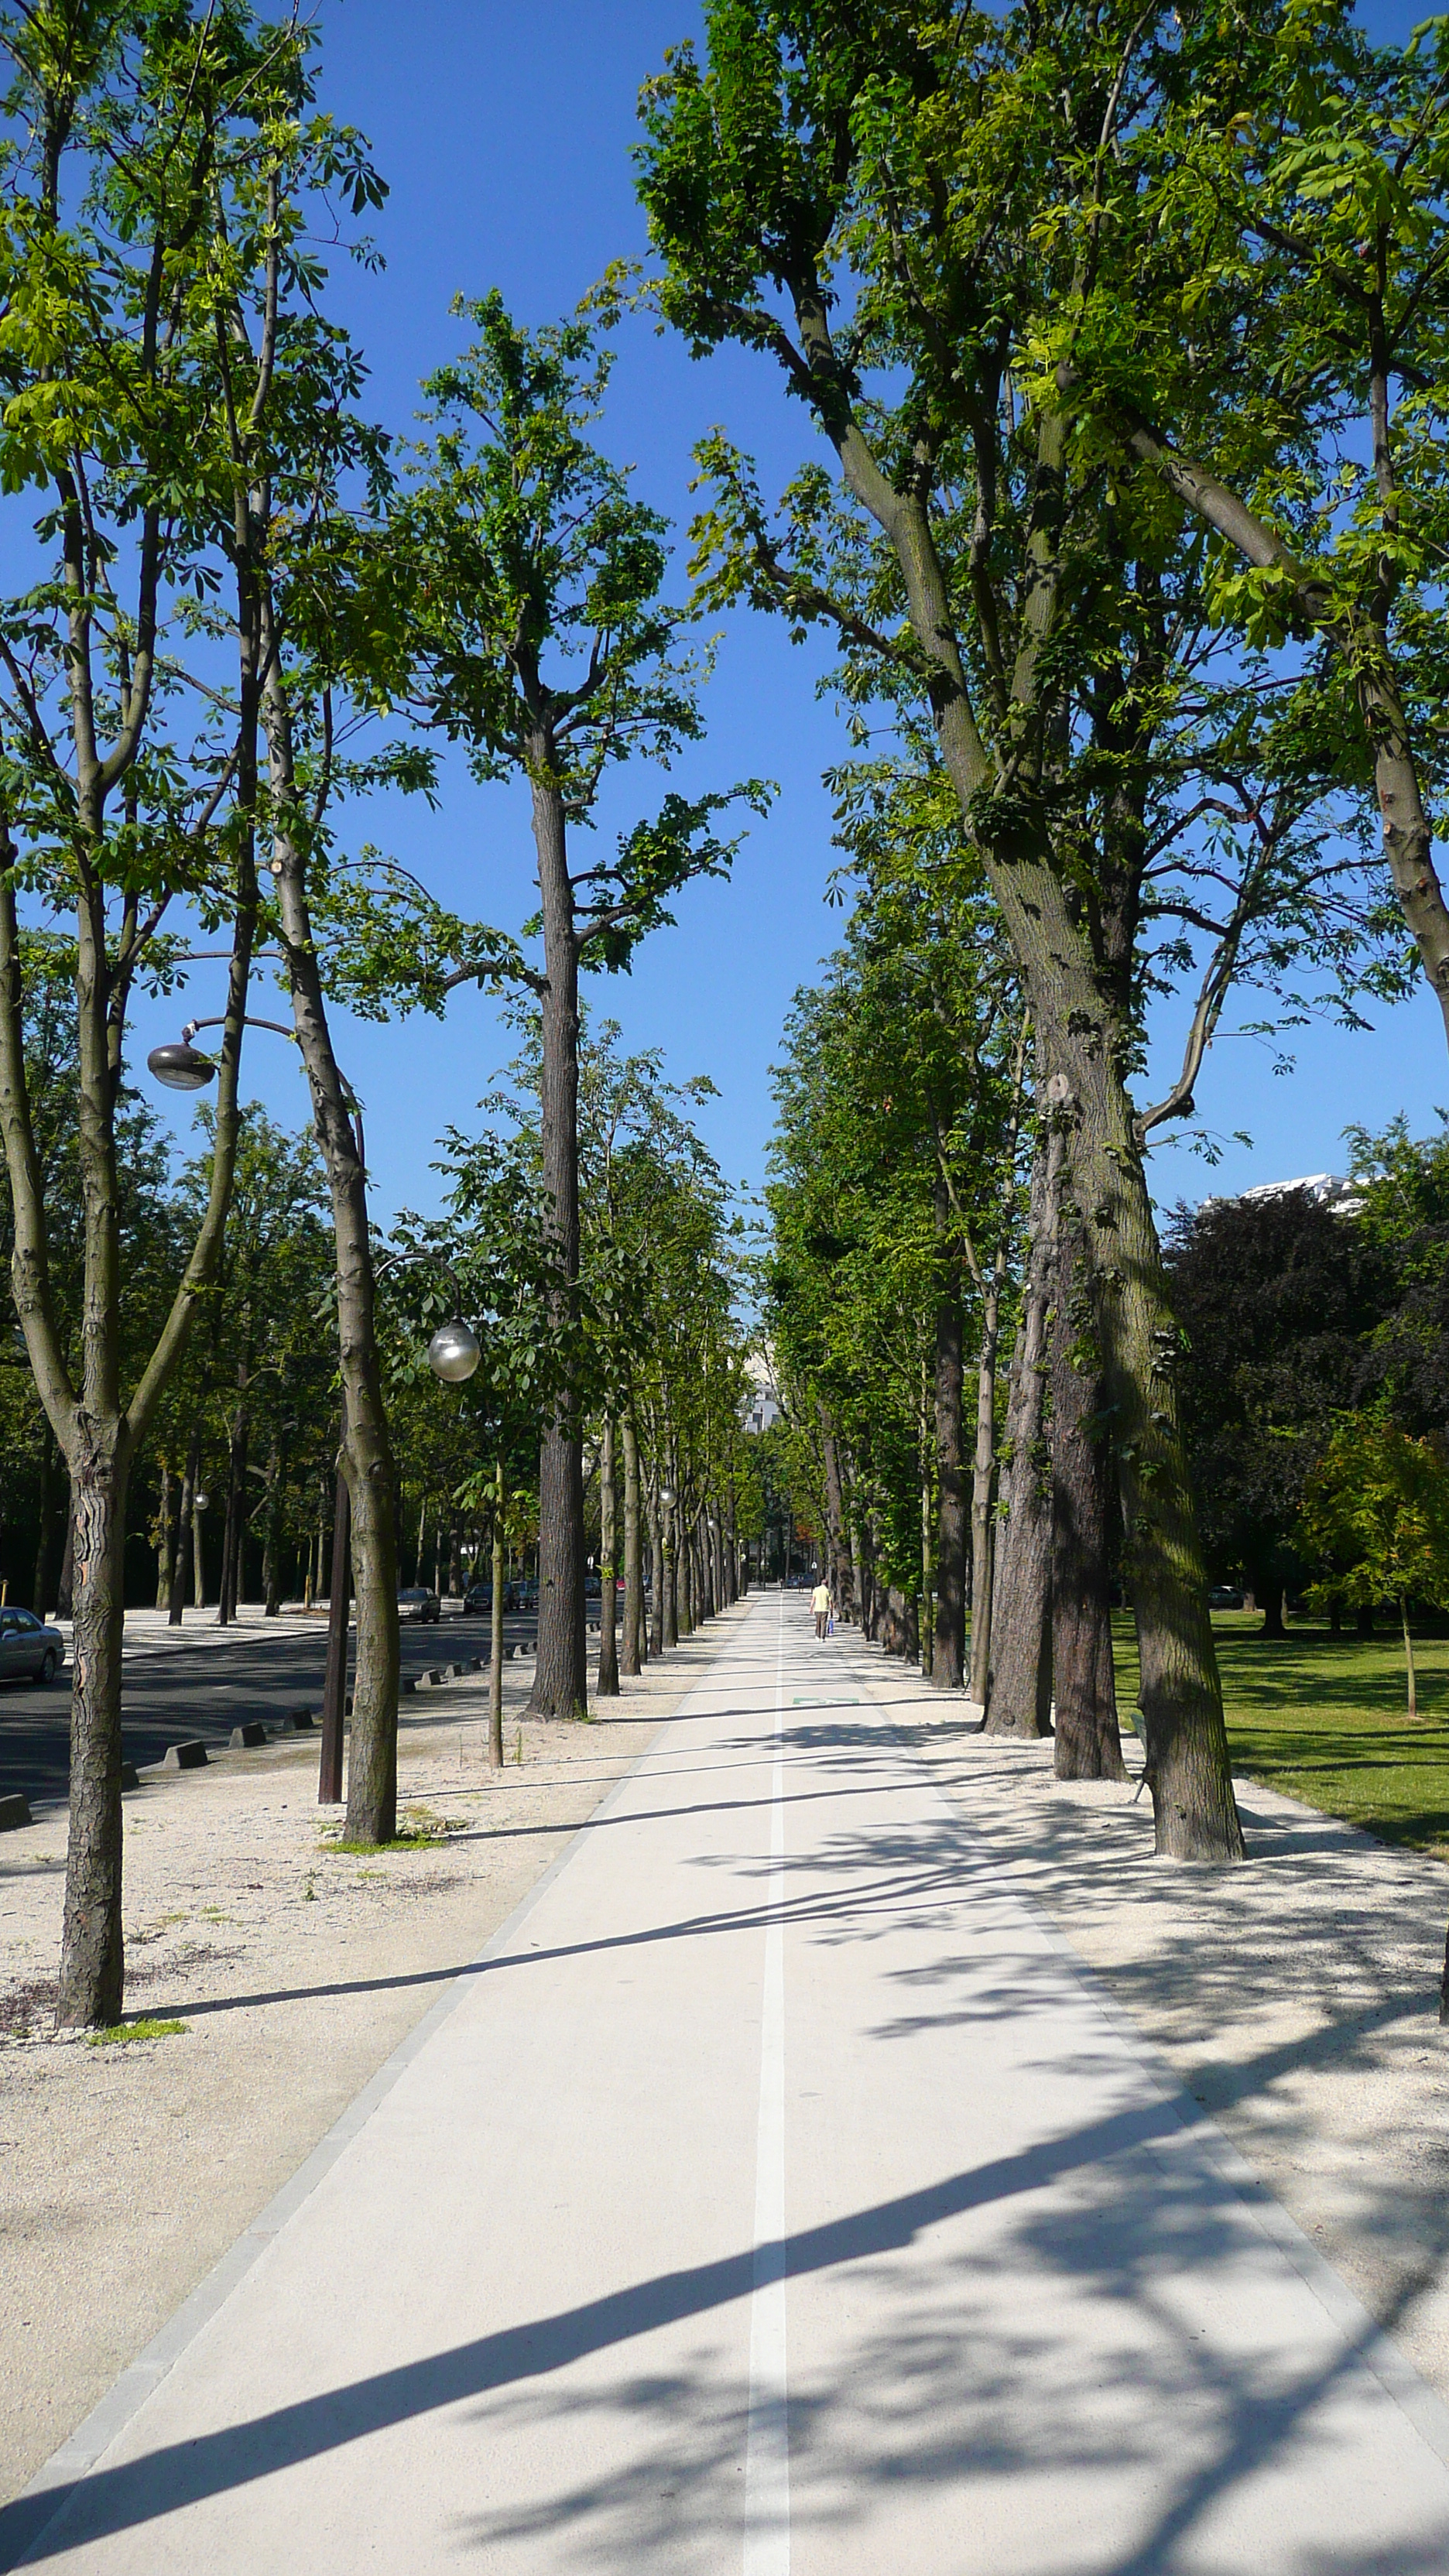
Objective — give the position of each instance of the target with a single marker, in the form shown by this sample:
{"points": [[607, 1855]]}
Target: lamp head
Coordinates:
{"points": [[454, 1352], [181, 1066]]}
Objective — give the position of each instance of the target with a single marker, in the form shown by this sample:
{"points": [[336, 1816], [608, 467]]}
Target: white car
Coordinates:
{"points": [[27, 1646]]}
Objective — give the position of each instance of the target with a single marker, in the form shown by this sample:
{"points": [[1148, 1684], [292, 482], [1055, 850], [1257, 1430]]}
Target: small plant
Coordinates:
{"points": [[125, 2031], [309, 1894], [418, 1830]]}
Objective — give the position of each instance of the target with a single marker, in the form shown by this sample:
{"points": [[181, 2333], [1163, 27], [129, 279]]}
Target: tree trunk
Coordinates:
{"points": [[1269, 1598], [163, 1538], [1019, 1682], [671, 1574], [1088, 1743], [91, 1986], [633, 1560], [495, 1644], [608, 1681], [841, 1578], [925, 1446], [236, 1504], [949, 1650], [272, 1546], [40, 1587], [184, 1518], [455, 1563], [65, 1586], [656, 1578], [560, 1685], [367, 1461], [684, 1619], [1086, 1034], [983, 1483]]}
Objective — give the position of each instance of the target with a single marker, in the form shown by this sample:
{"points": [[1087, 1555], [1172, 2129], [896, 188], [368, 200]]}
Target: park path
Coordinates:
{"points": [[777, 2198]]}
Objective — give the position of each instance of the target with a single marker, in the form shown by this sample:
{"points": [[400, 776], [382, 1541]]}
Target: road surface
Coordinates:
{"points": [[205, 1684], [777, 2197]]}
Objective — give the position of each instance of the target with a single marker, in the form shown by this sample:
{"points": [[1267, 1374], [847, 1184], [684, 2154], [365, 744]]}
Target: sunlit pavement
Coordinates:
{"points": [[777, 2195]]}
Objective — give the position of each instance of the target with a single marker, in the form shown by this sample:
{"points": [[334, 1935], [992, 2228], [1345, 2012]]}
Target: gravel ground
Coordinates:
{"points": [[128, 2170], [1297, 1999]]}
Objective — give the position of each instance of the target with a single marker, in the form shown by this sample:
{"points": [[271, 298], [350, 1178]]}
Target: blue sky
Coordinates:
{"points": [[504, 133]]}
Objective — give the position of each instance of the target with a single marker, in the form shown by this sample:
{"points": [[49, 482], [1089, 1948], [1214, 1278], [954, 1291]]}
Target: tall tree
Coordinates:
{"points": [[125, 130], [867, 197], [539, 639]]}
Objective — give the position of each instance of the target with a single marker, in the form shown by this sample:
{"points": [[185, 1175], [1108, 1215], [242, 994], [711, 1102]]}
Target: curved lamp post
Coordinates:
{"points": [[180, 1066], [453, 1355]]}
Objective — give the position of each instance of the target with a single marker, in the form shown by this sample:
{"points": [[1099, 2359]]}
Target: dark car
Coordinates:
{"points": [[1225, 1596], [28, 1647], [418, 1604]]}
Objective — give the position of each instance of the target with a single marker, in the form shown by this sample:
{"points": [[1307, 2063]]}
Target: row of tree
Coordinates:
{"points": [[1118, 338], [1120, 334], [244, 608]]}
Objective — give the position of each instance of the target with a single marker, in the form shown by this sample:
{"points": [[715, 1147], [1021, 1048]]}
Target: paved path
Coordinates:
{"points": [[777, 2199]]}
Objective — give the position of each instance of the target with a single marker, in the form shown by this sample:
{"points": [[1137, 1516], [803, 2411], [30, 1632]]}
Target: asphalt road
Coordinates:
{"points": [[205, 1688]]}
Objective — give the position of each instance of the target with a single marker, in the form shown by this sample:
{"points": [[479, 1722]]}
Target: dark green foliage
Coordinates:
{"points": [[1277, 1298]]}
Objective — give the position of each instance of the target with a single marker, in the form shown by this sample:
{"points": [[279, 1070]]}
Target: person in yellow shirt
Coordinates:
{"points": [[820, 1604]]}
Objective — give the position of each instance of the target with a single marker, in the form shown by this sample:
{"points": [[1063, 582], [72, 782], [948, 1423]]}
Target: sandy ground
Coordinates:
{"points": [[1297, 1999], [127, 2171]]}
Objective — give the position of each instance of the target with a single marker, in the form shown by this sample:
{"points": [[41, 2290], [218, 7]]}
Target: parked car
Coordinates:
{"points": [[418, 1604], [478, 1600], [28, 1647], [1224, 1596]]}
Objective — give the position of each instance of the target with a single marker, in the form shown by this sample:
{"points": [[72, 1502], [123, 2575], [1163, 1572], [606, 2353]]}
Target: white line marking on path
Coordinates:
{"points": [[767, 2439]]}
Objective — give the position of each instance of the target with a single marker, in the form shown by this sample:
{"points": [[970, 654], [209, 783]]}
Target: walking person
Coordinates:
{"points": [[820, 1604]]}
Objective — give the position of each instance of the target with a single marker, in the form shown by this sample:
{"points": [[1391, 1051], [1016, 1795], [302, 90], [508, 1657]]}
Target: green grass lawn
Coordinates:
{"points": [[1322, 1718]]}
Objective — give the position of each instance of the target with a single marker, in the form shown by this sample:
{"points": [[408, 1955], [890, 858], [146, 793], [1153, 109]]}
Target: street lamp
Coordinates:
{"points": [[182, 1067], [454, 1352]]}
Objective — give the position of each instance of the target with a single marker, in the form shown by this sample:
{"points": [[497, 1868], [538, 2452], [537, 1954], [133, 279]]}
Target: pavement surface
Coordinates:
{"points": [[778, 2193], [202, 1680]]}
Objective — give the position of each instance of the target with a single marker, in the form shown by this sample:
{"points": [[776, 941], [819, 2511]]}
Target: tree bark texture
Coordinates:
{"points": [[983, 1492], [1086, 1039], [1019, 1679], [949, 1651], [495, 1642], [190, 1473], [608, 1680], [1088, 1743], [633, 1555], [367, 1460], [560, 1685], [656, 1579]]}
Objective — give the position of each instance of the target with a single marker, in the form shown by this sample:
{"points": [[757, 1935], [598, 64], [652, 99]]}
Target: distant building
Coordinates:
{"points": [[763, 1407]]}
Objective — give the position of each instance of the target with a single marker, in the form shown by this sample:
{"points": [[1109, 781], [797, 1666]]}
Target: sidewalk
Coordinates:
{"points": [[778, 2194]]}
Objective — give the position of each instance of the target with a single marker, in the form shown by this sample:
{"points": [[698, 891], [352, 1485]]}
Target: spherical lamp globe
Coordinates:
{"points": [[454, 1352]]}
